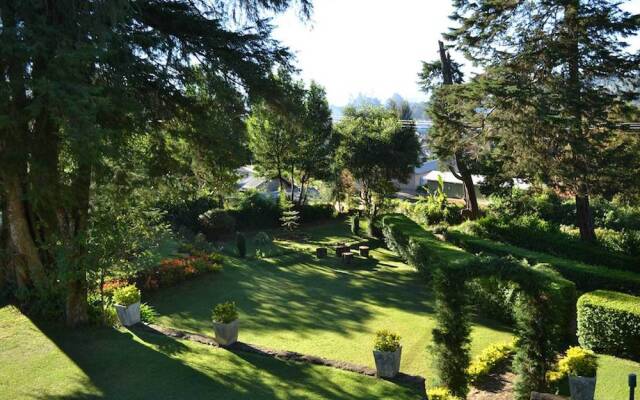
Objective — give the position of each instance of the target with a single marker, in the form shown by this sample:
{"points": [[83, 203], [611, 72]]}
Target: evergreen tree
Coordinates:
{"points": [[558, 72], [290, 218], [80, 81], [453, 111]]}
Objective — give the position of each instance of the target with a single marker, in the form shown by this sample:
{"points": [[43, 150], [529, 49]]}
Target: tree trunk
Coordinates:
{"points": [[470, 197], [76, 304], [27, 262], [292, 184], [462, 172], [585, 218]]}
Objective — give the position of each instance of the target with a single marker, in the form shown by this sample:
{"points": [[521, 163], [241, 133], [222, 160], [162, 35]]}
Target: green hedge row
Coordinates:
{"points": [[416, 246], [609, 323], [537, 234], [586, 277]]}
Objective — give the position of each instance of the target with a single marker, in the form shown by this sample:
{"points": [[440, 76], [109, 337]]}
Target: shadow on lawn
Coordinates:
{"points": [[120, 367], [296, 292]]}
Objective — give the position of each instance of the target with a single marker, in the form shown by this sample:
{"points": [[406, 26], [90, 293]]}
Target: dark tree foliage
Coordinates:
{"points": [[560, 75], [80, 81], [453, 108]]}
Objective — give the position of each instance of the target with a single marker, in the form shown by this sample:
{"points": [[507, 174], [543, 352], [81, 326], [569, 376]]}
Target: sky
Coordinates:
{"points": [[370, 47]]}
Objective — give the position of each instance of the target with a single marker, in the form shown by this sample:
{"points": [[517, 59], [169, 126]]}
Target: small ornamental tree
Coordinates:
{"points": [[290, 218]]}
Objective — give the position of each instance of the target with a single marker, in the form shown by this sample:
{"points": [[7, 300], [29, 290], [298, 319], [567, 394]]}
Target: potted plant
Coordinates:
{"points": [[578, 367], [386, 353], [127, 303], [225, 323], [582, 366]]}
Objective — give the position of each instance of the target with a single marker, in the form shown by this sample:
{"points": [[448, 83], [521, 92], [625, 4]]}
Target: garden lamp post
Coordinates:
{"points": [[632, 386]]}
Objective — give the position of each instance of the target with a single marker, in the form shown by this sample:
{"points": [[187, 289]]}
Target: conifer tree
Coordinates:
{"points": [[559, 73]]}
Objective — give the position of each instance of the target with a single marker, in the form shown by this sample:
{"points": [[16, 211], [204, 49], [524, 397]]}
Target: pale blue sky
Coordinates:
{"points": [[373, 47]]}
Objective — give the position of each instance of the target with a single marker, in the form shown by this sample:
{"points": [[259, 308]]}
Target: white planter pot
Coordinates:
{"points": [[387, 362], [226, 334], [128, 315], [582, 388]]}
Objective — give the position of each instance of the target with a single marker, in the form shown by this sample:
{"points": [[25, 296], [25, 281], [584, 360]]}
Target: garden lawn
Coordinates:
{"points": [[39, 362], [319, 307]]}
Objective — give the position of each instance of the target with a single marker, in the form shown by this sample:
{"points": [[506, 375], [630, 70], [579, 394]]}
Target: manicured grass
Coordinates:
{"points": [[319, 307], [39, 362], [612, 377]]}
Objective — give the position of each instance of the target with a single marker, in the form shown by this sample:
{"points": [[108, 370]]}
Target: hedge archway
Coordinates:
{"points": [[543, 311]]}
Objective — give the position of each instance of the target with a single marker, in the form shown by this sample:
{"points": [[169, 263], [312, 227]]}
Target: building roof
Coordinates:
{"points": [[448, 177], [426, 167]]}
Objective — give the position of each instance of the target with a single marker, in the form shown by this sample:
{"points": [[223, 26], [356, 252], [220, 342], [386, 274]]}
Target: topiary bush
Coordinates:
{"points": [[386, 341], [354, 224], [225, 313], [126, 296], [609, 323], [263, 243], [241, 245]]}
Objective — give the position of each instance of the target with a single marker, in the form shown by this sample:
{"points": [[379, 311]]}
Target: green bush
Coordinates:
{"points": [[489, 360], [241, 245], [354, 224], [440, 393], [126, 295], [225, 313], [216, 224], [386, 341], [609, 323], [315, 212], [148, 314]]}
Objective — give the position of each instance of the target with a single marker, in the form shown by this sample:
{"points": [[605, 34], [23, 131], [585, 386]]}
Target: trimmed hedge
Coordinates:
{"points": [[418, 247], [586, 277], [609, 323], [537, 234]]}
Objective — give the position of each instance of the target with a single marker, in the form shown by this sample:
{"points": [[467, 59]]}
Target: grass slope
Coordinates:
{"points": [[296, 302], [54, 363]]}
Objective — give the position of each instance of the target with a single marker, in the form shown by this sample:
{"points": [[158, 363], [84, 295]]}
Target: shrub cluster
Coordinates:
{"points": [[540, 235], [586, 277], [225, 313], [386, 341], [489, 360], [172, 271], [440, 393], [252, 210], [609, 323], [429, 211]]}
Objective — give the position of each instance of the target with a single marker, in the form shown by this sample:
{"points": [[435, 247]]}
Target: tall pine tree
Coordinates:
{"points": [[559, 72]]}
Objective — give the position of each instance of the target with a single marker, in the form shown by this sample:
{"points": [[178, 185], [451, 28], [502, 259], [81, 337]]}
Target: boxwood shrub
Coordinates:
{"points": [[609, 323]]}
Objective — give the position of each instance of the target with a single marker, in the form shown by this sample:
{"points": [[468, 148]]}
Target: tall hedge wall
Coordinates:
{"points": [[609, 323]]}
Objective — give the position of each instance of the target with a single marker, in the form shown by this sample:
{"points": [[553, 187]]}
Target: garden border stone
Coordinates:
{"points": [[416, 381]]}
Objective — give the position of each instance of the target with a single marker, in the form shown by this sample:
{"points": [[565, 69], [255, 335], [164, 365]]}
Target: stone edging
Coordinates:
{"points": [[402, 378]]}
